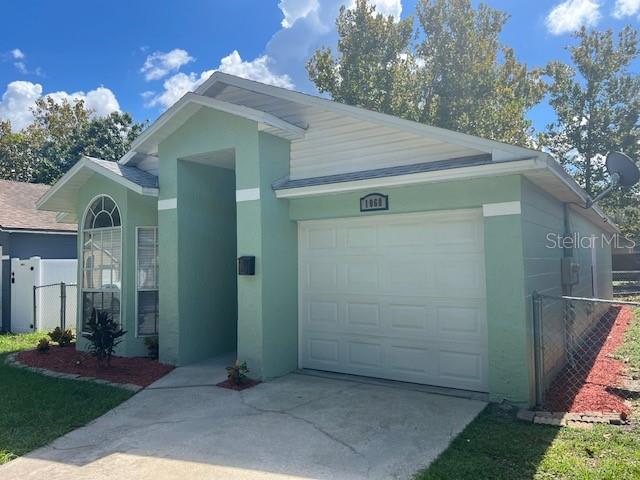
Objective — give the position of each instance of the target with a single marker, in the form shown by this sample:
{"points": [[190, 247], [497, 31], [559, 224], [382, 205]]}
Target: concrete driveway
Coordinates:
{"points": [[298, 426]]}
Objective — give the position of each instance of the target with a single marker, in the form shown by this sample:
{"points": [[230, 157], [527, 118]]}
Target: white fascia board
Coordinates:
{"points": [[498, 168], [88, 164], [258, 116], [482, 144]]}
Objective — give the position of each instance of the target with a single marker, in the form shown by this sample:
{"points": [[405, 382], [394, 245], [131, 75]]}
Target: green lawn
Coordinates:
{"points": [[497, 446], [36, 409]]}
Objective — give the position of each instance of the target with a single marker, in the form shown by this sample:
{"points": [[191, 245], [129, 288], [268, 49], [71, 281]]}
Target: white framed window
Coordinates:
{"points": [[147, 299], [101, 258]]}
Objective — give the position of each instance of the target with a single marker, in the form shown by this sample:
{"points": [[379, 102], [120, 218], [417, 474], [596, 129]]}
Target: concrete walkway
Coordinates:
{"points": [[298, 426]]}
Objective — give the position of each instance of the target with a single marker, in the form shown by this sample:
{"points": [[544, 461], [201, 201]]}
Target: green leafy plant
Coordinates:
{"points": [[152, 346], [43, 345], [61, 337], [104, 334], [237, 373]]}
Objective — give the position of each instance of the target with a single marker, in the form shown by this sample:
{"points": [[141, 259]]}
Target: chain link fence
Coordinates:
{"points": [[576, 340], [626, 282], [54, 306]]}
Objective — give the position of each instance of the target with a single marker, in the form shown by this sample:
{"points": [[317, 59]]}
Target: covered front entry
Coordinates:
{"points": [[400, 297]]}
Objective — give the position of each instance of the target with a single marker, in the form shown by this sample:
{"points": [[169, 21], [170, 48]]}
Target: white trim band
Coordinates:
{"points": [[168, 204], [498, 209], [247, 194]]}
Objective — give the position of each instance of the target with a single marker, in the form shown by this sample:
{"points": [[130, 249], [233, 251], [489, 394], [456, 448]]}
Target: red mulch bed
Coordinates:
{"points": [[137, 370], [243, 386], [601, 388]]}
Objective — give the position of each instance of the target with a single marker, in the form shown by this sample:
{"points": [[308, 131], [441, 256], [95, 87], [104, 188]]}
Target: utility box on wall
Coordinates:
{"points": [[247, 265]]}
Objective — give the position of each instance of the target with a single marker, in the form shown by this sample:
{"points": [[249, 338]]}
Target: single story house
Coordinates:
{"points": [[304, 233], [27, 232]]}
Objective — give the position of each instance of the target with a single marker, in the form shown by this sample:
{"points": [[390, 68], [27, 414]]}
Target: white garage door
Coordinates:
{"points": [[395, 296]]}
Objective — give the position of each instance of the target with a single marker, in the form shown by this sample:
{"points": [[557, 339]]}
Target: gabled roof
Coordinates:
{"points": [[18, 209], [189, 104], [219, 79], [61, 197]]}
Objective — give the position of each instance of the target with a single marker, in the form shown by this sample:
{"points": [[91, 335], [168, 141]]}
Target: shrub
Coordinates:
{"points": [[104, 334], [152, 346], [237, 373], [61, 337], [43, 345]]}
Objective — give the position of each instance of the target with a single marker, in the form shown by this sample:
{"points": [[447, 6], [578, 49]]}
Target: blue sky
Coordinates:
{"points": [[140, 56]]}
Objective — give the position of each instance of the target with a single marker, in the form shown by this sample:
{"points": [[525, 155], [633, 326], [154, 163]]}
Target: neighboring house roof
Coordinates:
{"points": [[61, 197], [18, 209]]}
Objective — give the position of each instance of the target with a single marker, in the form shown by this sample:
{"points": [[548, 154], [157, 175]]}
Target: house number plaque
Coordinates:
{"points": [[374, 202]]}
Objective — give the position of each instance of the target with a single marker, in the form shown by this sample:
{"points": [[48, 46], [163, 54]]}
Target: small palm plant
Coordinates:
{"points": [[104, 334], [237, 373]]}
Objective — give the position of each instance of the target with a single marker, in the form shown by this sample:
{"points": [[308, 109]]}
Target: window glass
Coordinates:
{"points": [[148, 312], [147, 280], [101, 259]]}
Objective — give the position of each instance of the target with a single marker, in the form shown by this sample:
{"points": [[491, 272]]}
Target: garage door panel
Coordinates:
{"points": [[395, 296], [364, 355], [323, 352], [460, 366], [455, 321], [408, 318], [322, 312], [321, 238], [361, 276], [321, 276], [362, 314], [461, 274]]}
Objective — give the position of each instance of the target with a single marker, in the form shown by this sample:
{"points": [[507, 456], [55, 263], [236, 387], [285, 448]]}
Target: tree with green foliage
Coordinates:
{"points": [[375, 68], [471, 82], [59, 135], [597, 105], [459, 77]]}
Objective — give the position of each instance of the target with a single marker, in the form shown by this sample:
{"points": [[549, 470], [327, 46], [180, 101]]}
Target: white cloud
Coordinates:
{"points": [[570, 15], [180, 83], [626, 8], [295, 9], [17, 54], [160, 64], [385, 7], [20, 97], [17, 101], [22, 68]]}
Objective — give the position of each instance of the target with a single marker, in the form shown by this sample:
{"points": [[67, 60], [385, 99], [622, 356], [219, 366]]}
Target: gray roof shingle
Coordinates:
{"points": [[133, 174], [18, 208], [286, 182]]}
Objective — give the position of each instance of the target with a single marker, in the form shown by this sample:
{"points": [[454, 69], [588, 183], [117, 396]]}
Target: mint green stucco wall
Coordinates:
{"points": [[543, 222], [267, 302], [198, 302], [135, 210]]}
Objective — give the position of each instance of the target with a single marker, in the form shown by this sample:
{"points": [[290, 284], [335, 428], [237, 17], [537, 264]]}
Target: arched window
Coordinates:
{"points": [[101, 258]]}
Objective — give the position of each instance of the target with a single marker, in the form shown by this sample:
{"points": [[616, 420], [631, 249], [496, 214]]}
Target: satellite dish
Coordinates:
{"points": [[627, 171], [623, 172]]}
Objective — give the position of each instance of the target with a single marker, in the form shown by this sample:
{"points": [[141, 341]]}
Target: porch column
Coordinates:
{"points": [[267, 301]]}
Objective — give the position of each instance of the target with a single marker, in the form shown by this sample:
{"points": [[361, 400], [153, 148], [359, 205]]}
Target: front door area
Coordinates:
{"points": [[400, 297]]}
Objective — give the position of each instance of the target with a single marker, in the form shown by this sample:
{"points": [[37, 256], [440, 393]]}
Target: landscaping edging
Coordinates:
{"points": [[568, 419], [13, 361]]}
